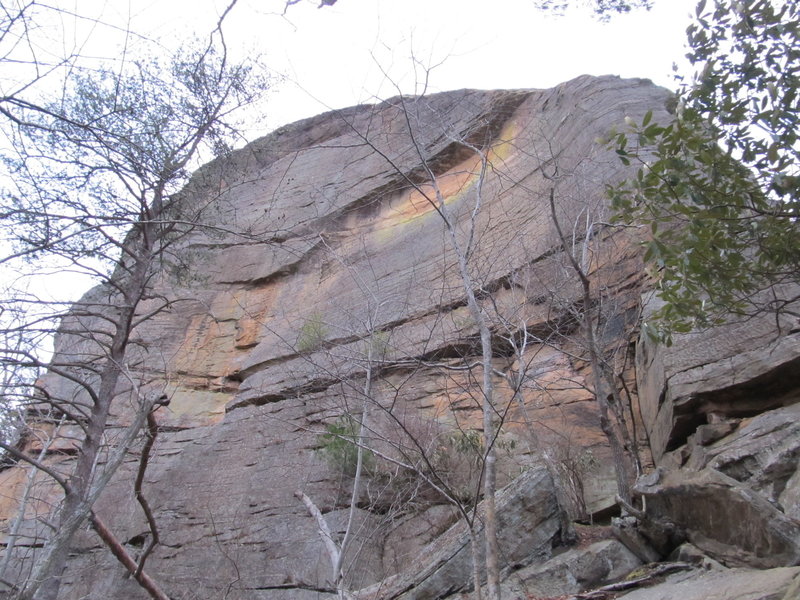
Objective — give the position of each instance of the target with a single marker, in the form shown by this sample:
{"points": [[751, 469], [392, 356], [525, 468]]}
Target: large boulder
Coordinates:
{"points": [[739, 369], [727, 520], [763, 453], [529, 524], [573, 571], [727, 584]]}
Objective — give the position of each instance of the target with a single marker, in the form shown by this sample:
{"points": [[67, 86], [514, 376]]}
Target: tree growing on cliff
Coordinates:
{"points": [[389, 459], [499, 332], [462, 245], [719, 186], [94, 179], [353, 435], [594, 309], [460, 227]]}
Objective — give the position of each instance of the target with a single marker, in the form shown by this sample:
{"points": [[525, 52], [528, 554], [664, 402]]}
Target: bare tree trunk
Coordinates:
{"points": [[82, 491], [45, 581], [476, 563], [487, 405], [144, 459], [334, 553], [338, 567], [57, 549], [490, 468], [122, 555], [462, 251], [621, 465]]}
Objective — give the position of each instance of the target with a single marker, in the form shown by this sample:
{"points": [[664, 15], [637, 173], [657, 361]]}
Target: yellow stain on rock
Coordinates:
{"points": [[212, 344], [194, 408], [214, 340], [47, 493], [452, 185], [206, 346], [251, 308], [504, 146]]}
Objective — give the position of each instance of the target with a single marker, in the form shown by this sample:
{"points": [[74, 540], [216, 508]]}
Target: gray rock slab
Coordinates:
{"points": [[725, 519], [730, 584], [573, 571]]}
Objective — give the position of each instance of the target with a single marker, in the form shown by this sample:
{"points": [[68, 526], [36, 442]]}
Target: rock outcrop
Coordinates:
{"points": [[721, 409], [737, 370], [324, 262], [728, 521], [731, 584], [573, 571], [529, 527]]}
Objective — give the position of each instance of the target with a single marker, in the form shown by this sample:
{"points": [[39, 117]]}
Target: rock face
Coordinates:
{"points": [[740, 369], [327, 278], [732, 584], [721, 408], [529, 526]]}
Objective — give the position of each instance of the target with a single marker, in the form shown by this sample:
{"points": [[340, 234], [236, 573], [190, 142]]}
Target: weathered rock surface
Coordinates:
{"points": [[721, 408], [529, 527], [331, 249], [763, 453], [736, 370], [728, 584], [573, 571], [331, 237], [728, 521]]}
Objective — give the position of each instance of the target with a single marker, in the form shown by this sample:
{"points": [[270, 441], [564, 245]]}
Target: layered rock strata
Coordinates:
{"points": [[322, 271]]}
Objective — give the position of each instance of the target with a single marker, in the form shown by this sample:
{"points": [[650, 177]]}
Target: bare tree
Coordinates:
{"points": [[592, 316], [463, 245], [372, 351], [462, 239], [411, 457], [582, 246], [504, 329], [372, 442], [96, 176]]}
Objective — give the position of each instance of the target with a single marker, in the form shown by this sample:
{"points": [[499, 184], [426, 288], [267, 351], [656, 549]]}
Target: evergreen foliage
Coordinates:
{"points": [[339, 445], [719, 187]]}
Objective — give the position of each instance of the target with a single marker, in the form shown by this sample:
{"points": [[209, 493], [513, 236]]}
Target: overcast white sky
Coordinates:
{"points": [[333, 57]]}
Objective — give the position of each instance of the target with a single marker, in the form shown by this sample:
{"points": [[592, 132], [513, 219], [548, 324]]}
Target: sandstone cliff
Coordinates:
{"points": [[320, 259]]}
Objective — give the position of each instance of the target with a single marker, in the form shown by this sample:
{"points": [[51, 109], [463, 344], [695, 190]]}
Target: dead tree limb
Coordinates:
{"points": [[151, 433], [123, 556], [659, 570]]}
